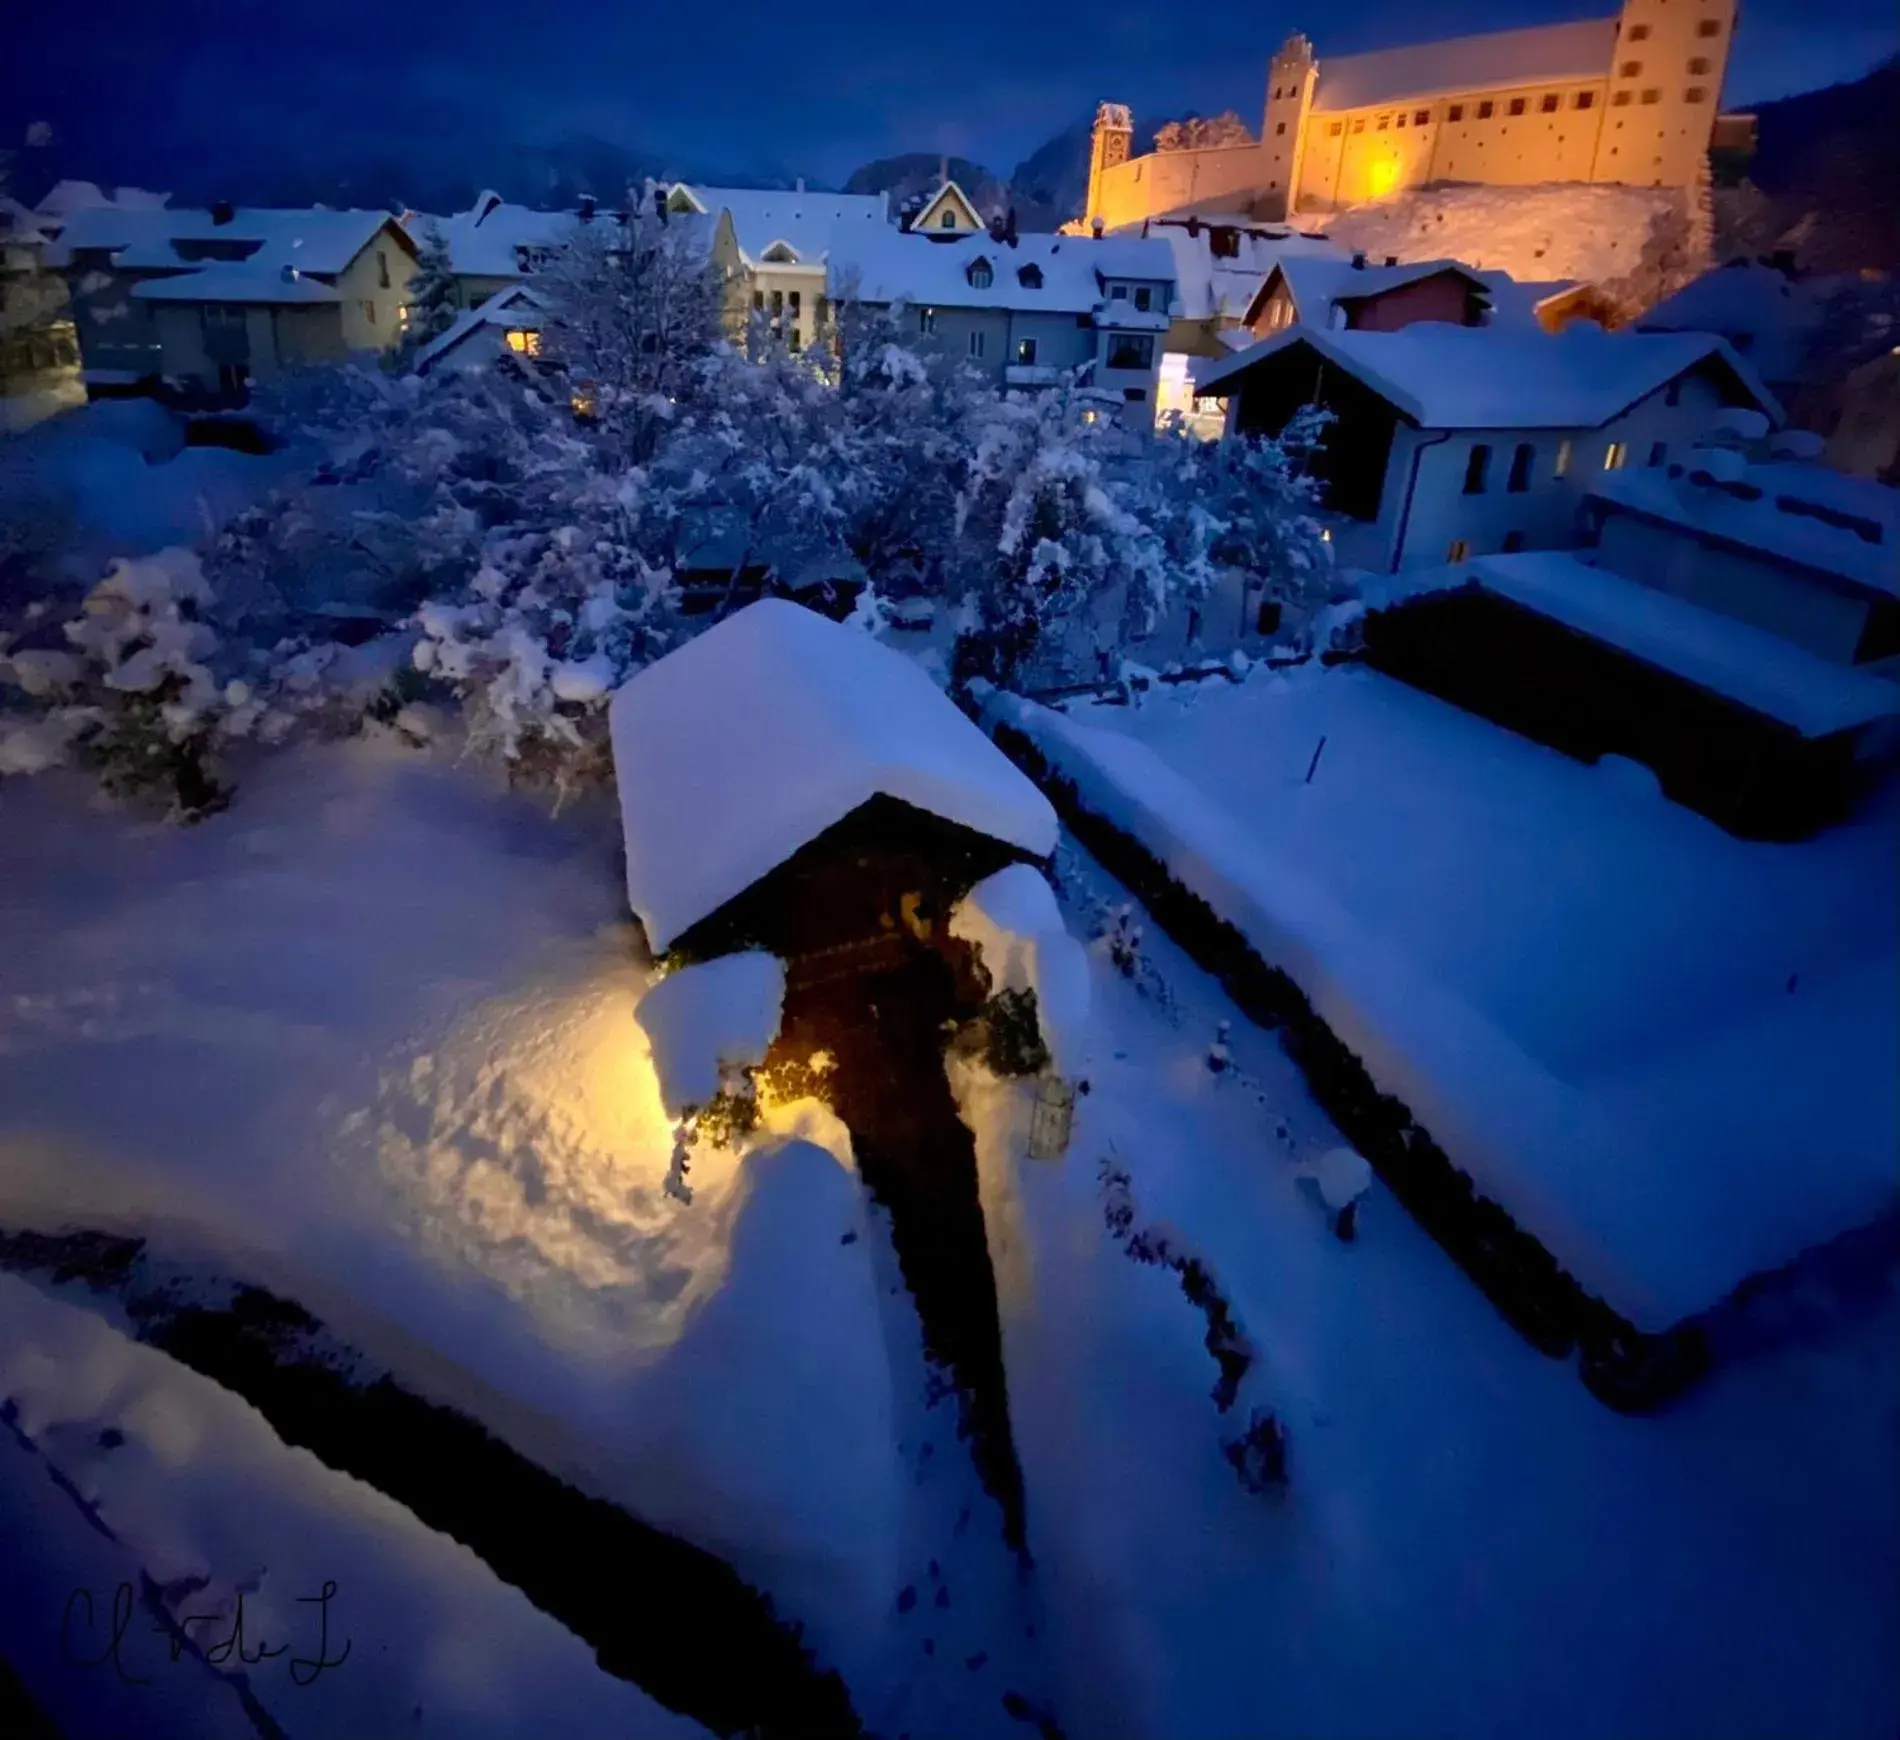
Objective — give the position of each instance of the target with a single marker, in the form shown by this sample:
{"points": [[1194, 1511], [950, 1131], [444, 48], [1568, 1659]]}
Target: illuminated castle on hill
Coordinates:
{"points": [[1629, 99]]}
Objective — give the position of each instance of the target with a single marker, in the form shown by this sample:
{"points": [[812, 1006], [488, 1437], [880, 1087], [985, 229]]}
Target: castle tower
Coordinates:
{"points": [[1291, 78], [1664, 91], [1109, 145]]}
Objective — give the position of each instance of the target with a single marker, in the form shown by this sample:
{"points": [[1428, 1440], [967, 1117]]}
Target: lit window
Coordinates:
{"points": [[1695, 94], [1517, 106], [1477, 463], [1459, 550], [1615, 456], [402, 316], [1629, 69], [1485, 109], [976, 344], [523, 342], [1586, 99], [926, 320], [1549, 103], [1026, 352]]}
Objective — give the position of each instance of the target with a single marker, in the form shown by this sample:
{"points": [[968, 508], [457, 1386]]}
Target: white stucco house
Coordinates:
{"points": [[1449, 442], [1034, 312]]}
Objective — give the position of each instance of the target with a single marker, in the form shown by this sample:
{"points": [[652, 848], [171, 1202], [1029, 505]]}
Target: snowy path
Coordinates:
{"points": [[1469, 1542]]}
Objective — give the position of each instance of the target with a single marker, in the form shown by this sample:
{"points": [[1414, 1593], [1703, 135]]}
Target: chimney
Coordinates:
{"points": [[996, 226], [659, 204], [1095, 228], [1009, 226], [801, 184], [943, 170], [1359, 261], [587, 208], [222, 211]]}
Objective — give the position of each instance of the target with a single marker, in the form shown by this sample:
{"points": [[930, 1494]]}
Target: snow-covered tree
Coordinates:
{"points": [[634, 311], [434, 297]]}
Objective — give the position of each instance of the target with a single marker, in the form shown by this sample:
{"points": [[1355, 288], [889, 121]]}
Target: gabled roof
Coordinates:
{"points": [[1223, 287], [949, 194], [160, 238], [748, 742], [1497, 60], [1475, 377], [1808, 516], [296, 252], [804, 221], [515, 308], [484, 240], [892, 266], [1318, 284]]}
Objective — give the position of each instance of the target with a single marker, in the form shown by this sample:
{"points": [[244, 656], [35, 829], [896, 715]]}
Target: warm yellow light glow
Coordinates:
{"points": [[524, 343], [1382, 178]]}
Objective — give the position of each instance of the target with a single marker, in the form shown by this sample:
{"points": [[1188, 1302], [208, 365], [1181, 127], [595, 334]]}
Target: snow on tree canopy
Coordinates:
{"points": [[719, 1014], [752, 739], [1012, 921]]}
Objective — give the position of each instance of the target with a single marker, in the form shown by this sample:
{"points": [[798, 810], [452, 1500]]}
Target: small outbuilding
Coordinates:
{"points": [[788, 783]]}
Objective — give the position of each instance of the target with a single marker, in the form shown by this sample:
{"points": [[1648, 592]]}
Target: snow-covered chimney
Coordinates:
{"points": [[587, 208], [800, 184], [943, 170]]}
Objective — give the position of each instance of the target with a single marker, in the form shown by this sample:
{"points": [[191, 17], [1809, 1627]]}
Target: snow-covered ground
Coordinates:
{"points": [[369, 1038], [1468, 1544], [1667, 1052], [1596, 232]]}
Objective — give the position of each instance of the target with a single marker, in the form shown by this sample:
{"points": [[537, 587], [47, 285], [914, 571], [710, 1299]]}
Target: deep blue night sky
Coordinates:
{"points": [[747, 85]]}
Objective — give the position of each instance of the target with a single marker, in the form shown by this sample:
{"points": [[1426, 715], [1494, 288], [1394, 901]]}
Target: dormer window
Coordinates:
{"points": [[948, 221], [1030, 277], [980, 275], [779, 254]]}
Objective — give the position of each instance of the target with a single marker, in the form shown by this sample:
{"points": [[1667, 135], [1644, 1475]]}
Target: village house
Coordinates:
{"points": [[495, 245], [1034, 312], [1449, 442], [509, 323], [946, 214], [1629, 99], [772, 244], [212, 299], [1789, 546]]}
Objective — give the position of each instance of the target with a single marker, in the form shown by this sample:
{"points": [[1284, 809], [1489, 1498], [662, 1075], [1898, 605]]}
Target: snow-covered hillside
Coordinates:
{"points": [[1608, 235]]}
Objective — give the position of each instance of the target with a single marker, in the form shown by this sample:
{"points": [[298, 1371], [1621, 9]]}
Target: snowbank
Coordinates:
{"points": [[1012, 921], [1653, 1164], [204, 1499], [755, 737], [706, 1018]]}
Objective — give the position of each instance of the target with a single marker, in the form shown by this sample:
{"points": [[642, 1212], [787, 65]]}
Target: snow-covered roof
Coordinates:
{"points": [[948, 193], [1320, 284], [1808, 515], [162, 238], [1222, 287], [514, 308], [1497, 60], [236, 284], [1515, 302], [67, 197], [890, 266], [483, 241], [1476, 377], [1761, 310], [753, 738], [804, 222], [1745, 664]]}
